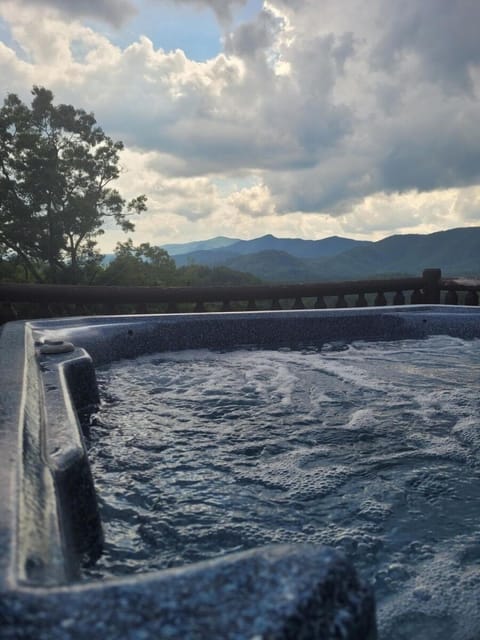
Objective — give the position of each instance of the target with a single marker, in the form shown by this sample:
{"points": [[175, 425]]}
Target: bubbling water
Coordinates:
{"points": [[368, 447]]}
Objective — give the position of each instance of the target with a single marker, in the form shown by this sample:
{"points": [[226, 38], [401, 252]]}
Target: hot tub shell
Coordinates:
{"points": [[50, 524]]}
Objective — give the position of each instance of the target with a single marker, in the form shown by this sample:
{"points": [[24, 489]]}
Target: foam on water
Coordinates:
{"points": [[369, 447]]}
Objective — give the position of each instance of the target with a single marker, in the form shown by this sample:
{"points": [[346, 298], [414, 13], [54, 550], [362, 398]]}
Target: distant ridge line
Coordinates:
{"points": [[456, 251]]}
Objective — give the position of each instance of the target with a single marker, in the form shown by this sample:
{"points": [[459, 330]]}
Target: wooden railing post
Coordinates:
{"points": [[431, 286]]}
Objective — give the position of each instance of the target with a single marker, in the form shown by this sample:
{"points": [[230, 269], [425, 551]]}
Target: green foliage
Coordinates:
{"points": [[56, 168], [147, 265], [141, 265], [12, 269]]}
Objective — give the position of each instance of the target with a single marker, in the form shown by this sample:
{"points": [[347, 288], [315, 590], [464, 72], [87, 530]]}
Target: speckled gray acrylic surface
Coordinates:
{"points": [[280, 592]]}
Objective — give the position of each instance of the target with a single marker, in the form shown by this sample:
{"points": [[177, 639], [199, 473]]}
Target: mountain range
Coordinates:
{"points": [[455, 251]]}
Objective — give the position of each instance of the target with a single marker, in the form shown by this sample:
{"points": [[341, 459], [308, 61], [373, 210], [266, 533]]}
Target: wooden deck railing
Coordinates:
{"points": [[21, 301]]}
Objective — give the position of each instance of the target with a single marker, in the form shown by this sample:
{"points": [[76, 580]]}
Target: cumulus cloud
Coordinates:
{"points": [[441, 34], [467, 204], [223, 9], [256, 36], [313, 111], [255, 202]]}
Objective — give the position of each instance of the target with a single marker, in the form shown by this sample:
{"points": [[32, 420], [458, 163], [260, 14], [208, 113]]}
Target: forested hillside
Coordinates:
{"points": [[456, 252]]}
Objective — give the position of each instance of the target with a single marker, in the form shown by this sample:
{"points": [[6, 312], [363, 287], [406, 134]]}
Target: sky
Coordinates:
{"points": [[300, 118]]}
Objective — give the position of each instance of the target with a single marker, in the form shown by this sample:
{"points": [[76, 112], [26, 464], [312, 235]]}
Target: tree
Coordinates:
{"points": [[141, 265], [56, 168]]}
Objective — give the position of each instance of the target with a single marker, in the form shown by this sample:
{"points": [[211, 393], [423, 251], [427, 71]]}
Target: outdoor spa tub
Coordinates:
{"points": [[221, 475]]}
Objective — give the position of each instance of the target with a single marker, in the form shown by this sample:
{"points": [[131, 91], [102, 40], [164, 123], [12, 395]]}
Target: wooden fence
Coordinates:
{"points": [[22, 301]]}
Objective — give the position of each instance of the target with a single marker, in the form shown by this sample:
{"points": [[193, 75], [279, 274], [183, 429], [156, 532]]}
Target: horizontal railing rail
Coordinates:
{"points": [[20, 301], [453, 286]]}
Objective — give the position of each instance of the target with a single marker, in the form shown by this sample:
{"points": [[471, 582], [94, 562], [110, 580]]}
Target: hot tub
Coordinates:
{"points": [[54, 572]]}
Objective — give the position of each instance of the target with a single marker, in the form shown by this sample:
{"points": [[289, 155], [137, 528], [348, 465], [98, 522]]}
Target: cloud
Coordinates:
{"points": [[115, 12], [223, 9], [192, 198], [255, 202], [441, 34], [386, 214], [467, 204], [256, 36], [336, 114]]}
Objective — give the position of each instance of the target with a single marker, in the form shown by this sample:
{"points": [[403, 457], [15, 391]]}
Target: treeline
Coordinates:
{"points": [[57, 170], [142, 265]]}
